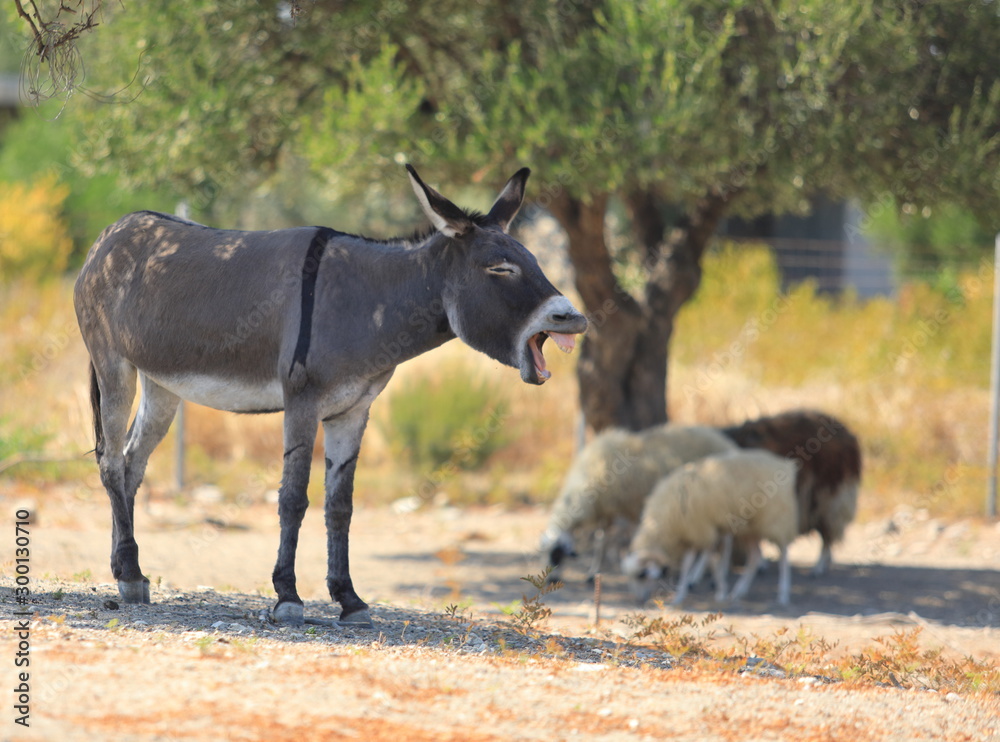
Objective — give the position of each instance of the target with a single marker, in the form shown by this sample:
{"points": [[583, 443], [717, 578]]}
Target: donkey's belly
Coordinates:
{"points": [[233, 395]]}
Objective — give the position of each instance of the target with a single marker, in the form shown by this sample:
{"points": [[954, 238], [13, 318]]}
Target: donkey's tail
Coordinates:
{"points": [[95, 405]]}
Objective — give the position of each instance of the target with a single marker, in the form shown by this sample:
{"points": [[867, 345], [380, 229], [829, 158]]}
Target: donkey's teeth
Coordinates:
{"points": [[535, 345], [566, 343]]}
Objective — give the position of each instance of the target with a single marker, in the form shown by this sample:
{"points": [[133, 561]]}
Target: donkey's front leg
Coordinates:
{"points": [[293, 499], [342, 438]]}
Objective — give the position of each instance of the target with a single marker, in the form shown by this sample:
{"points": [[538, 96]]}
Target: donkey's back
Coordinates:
{"points": [[165, 293]]}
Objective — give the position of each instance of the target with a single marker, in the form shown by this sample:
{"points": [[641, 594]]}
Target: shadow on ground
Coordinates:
{"points": [[958, 597]]}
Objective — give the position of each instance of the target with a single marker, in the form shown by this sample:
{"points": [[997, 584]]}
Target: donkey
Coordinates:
{"points": [[309, 321]]}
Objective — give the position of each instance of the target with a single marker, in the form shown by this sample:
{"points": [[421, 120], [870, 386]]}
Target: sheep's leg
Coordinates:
{"points": [[698, 571], [824, 561], [784, 577], [720, 567], [685, 576], [749, 571]]}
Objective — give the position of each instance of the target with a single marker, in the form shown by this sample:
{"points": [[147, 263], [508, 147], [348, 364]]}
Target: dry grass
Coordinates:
{"points": [[897, 660]]}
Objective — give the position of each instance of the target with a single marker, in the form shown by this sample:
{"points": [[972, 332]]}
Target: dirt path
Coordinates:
{"points": [[199, 664]]}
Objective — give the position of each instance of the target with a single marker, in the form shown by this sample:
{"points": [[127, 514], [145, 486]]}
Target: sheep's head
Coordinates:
{"points": [[559, 546], [644, 570]]}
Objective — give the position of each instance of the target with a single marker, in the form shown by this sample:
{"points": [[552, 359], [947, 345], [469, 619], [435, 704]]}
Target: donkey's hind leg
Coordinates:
{"points": [[116, 381], [157, 408]]}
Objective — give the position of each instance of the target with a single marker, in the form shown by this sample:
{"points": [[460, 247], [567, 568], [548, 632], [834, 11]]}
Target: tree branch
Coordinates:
{"points": [[34, 29]]}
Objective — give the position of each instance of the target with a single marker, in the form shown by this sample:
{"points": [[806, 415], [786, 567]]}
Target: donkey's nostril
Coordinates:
{"points": [[570, 321]]}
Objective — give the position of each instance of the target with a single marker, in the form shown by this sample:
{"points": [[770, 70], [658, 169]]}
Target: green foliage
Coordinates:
{"points": [[18, 440], [449, 420], [928, 240], [12, 40], [683, 95], [366, 126], [36, 148]]}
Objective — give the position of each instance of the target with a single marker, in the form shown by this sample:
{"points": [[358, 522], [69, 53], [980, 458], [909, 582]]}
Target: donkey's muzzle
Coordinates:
{"points": [[558, 319]]}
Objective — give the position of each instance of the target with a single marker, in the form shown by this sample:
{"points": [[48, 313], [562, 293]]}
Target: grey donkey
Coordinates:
{"points": [[309, 321]]}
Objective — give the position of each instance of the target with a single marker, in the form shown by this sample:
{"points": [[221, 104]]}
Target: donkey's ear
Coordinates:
{"points": [[444, 215], [506, 206]]}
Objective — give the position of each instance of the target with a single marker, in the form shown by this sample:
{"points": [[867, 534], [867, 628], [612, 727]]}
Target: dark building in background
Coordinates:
{"points": [[9, 103]]}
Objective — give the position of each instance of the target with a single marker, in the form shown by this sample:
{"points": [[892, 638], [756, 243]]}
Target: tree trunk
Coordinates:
{"points": [[622, 371]]}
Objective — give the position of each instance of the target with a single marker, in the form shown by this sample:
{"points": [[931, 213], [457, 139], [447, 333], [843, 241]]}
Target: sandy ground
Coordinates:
{"points": [[144, 678]]}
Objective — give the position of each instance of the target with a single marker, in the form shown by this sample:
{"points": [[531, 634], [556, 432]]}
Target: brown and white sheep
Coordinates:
{"points": [[829, 469]]}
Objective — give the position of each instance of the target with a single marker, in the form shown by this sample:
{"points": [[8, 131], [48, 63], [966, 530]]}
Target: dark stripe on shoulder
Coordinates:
{"points": [[310, 271]]}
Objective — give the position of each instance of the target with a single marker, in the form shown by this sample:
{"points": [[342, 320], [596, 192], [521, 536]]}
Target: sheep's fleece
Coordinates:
{"points": [[750, 494]]}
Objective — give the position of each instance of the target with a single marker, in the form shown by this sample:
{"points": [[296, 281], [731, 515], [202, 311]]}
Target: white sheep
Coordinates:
{"points": [[612, 476], [747, 495]]}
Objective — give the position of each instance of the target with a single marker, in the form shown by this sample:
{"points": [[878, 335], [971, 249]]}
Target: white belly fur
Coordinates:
{"points": [[225, 394]]}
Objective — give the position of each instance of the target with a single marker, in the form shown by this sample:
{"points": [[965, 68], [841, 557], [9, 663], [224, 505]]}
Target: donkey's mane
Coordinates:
{"points": [[416, 238], [422, 234]]}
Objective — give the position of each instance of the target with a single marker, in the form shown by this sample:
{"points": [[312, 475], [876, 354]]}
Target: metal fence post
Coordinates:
{"points": [[991, 496]]}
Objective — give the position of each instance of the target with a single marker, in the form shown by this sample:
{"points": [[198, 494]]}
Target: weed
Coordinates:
{"points": [[247, 645], [456, 611], [532, 611], [898, 660], [204, 644], [895, 661], [797, 654], [681, 637]]}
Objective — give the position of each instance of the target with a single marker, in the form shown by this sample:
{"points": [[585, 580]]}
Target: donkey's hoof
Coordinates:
{"points": [[359, 619], [288, 614], [134, 592]]}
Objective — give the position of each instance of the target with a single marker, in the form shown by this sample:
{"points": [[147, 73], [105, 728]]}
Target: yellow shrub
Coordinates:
{"points": [[34, 241]]}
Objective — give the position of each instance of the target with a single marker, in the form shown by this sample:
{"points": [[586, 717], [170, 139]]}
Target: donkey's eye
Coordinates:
{"points": [[502, 269]]}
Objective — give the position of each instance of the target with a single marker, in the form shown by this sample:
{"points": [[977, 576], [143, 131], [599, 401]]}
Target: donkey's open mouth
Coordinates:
{"points": [[564, 342], [556, 318]]}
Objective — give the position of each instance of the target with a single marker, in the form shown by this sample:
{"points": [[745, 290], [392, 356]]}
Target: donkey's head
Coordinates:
{"points": [[497, 299]]}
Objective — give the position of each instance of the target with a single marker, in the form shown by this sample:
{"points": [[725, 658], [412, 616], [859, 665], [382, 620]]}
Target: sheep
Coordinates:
{"points": [[829, 472], [610, 479], [744, 495]]}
